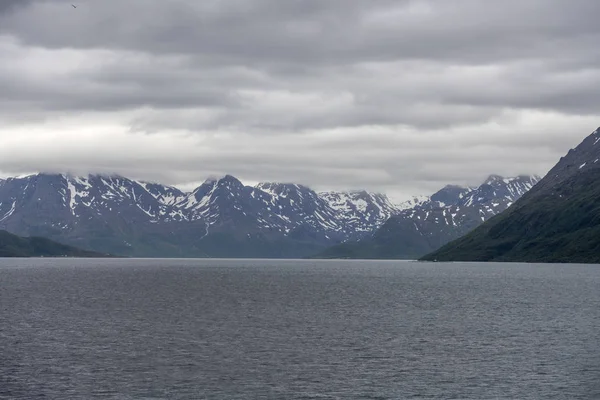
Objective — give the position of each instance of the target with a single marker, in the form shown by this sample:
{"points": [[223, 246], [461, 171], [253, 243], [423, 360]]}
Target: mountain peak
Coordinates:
{"points": [[591, 140], [210, 181], [362, 194], [230, 180], [23, 176], [501, 180], [274, 185], [493, 178], [449, 194], [534, 177], [584, 157], [229, 177], [213, 179], [279, 189]]}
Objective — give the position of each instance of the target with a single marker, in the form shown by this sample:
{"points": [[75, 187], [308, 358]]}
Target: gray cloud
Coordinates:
{"points": [[7, 6], [392, 95]]}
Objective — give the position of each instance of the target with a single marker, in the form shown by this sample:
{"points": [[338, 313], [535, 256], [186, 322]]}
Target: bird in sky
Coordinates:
{"points": [[73, 5]]}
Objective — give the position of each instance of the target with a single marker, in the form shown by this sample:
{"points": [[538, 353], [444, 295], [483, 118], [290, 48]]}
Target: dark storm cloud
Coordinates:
{"points": [[322, 32], [420, 90], [300, 45], [7, 6]]}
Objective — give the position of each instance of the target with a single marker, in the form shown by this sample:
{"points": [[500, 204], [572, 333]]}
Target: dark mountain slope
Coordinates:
{"points": [[557, 221], [16, 246]]}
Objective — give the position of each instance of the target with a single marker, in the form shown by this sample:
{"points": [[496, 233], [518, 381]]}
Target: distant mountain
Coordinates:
{"points": [[557, 221], [430, 223], [16, 246], [220, 218], [412, 202], [360, 211]]}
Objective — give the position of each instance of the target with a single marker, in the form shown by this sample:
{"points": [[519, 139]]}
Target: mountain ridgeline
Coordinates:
{"points": [[220, 218], [224, 218], [557, 221], [446, 215]]}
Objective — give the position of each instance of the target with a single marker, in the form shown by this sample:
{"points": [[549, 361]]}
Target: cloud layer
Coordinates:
{"points": [[398, 96]]}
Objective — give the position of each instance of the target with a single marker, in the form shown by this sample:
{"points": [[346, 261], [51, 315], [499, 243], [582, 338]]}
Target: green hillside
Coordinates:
{"points": [[16, 246]]}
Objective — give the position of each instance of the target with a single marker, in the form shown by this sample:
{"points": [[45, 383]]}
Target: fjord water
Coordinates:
{"points": [[246, 329]]}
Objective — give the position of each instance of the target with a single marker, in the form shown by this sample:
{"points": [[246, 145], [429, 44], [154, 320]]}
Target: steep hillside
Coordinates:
{"points": [[557, 221]]}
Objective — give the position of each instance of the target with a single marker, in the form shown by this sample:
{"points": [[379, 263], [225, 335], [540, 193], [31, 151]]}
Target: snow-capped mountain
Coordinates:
{"points": [[112, 214], [411, 202], [130, 215], [282, 208], [223, 217], [456, 205], [446, 215], [167, 195], [557, 221], [72, 199], [361, 211]]}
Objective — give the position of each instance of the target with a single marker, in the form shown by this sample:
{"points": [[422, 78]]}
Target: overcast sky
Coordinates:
{"points": [[397, 96]]}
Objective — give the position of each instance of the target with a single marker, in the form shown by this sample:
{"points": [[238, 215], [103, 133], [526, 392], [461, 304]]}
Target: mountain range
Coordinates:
{"points": [[432, 222], [557, 221], [220, 218], [225, 218]]}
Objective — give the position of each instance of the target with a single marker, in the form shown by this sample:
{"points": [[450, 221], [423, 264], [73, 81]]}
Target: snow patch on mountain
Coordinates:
{"points": [[463, 205], [411, 203], [10, 212], [362, 210]]}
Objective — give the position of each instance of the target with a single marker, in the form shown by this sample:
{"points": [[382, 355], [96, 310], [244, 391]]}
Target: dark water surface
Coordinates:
{"points": [[252, 329]]}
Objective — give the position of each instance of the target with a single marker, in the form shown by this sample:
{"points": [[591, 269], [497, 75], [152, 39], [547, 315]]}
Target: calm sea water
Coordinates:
{"points": [[255, 329]]}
